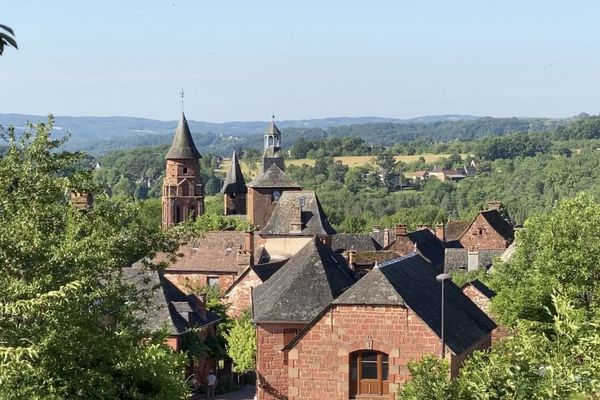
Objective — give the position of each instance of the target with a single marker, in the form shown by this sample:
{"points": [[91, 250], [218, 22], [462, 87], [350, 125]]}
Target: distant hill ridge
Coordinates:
{"points": [[100, 134]]}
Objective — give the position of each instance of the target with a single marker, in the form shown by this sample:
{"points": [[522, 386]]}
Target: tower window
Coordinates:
{"points": [[184, 170]]}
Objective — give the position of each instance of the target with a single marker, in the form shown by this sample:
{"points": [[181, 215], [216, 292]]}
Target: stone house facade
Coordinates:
{"points": [[359, 347]]}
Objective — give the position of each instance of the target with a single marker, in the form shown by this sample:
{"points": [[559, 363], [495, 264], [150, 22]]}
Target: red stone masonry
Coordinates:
{"points": [[481, 235], [271, 362], [318, 365], [239, 296]]}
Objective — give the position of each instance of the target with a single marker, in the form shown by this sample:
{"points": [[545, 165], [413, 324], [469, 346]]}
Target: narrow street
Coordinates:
{"points": [[245, 393]]}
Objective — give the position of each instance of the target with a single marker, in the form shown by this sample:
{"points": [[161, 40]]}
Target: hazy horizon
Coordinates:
{"points": [[240, 61]]}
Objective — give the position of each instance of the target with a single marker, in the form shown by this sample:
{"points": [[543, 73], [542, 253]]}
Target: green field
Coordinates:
{"points": [[351, 161]]}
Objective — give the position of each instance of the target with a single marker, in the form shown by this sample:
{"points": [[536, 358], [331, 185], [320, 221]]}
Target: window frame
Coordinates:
{"points": [[360, 386]]}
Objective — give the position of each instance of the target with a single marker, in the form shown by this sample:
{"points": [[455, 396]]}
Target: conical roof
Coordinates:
{"points": [[273, 130], [234, 181], [183, 146]]}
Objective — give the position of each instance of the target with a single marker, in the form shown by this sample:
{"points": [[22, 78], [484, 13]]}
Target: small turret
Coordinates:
{"points": [[234, 189]]}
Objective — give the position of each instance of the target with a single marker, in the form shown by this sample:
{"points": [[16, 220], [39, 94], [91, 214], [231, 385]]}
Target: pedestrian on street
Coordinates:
{"points": [[212, 384]]}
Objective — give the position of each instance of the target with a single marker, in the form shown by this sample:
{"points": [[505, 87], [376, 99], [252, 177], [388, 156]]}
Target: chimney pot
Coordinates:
{"points": [[376, 228], [296, 219], [401, 230]]}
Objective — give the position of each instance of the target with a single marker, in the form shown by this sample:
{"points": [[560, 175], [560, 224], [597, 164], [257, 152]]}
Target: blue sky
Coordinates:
{"points": [[244, 60]]}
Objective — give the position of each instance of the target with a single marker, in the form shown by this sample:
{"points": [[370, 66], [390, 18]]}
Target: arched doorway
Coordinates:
{"points": [[368, 373]]}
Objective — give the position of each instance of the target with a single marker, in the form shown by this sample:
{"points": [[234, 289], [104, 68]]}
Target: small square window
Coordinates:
{"points": [[212, 281]]}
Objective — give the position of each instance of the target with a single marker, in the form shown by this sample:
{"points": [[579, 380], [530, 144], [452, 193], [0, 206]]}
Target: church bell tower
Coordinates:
{"points": [[182, 192]]}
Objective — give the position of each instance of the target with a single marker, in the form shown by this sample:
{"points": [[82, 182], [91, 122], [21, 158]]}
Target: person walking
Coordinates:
{"points": [[212, 384]]}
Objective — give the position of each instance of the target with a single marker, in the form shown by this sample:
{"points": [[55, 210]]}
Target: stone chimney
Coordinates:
{"points": [[386, 237], [376, 228], [81, 200], [296, 219], [350, 255], [494, 205], [245, 255], [400, 230], [440, 232]]}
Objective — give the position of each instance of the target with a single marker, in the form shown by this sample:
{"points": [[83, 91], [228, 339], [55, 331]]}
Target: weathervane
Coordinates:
{"points": [[181, 100]]}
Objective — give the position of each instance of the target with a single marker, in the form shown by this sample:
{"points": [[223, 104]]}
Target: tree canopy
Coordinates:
{"points": [[68, 318]]}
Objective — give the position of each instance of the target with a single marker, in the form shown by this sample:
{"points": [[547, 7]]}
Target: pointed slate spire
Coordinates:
{"points": [[273, 129], [183, 146], [234, 181]]}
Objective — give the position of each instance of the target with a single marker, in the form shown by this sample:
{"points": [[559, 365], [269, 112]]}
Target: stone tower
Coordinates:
{"points": [[182, 193], [272, 154], [234, 189]]}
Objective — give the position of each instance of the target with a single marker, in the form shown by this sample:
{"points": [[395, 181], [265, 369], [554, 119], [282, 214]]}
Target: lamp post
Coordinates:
{"points": [[443, 278]]}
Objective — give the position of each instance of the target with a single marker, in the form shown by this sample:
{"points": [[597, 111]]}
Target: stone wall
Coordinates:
{"points": [[189, 282], [319, 364], [239, 297], [271, 362]]}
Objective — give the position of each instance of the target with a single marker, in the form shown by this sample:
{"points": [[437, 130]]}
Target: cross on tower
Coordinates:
{"points": [[181, 100]]}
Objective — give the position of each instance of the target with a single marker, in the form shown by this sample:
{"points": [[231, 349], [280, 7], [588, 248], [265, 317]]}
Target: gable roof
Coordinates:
{"points": [[234, 180], [414, 282], [274, 177], [314, 220], [481, 287], [167, 305], [213, 252], [183, 146], [499, 224], [422, 240], [354, 241], [303, 287], [429, 245]]}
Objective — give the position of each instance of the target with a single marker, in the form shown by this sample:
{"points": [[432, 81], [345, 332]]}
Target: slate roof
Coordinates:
{"points": [[353, 241], [481, 287], [168, 306], [267, 270], [314, 220], [423, 240], [213, 252], [413, 280], [454, 229], [499, 224], [303, 287], [273, 129], [183, 146], [234, 180], [429, 245], [274, 177], [371, 257]]}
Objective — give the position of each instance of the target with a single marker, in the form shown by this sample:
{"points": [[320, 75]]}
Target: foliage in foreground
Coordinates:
{"points": [[67, 317], [241, 343], [559, 360], [560, 250]]}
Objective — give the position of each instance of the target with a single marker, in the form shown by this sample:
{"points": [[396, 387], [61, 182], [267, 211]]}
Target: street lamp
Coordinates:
{"points": [[443, 278]]}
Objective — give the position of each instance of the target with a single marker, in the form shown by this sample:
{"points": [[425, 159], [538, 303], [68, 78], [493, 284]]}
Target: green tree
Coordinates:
{"points": [[560, 250], [557, 360], [62, 287], [241, 343], [7, 38]]}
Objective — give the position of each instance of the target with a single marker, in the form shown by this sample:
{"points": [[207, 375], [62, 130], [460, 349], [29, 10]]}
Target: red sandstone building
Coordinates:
{"points": [[322, 336]]}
